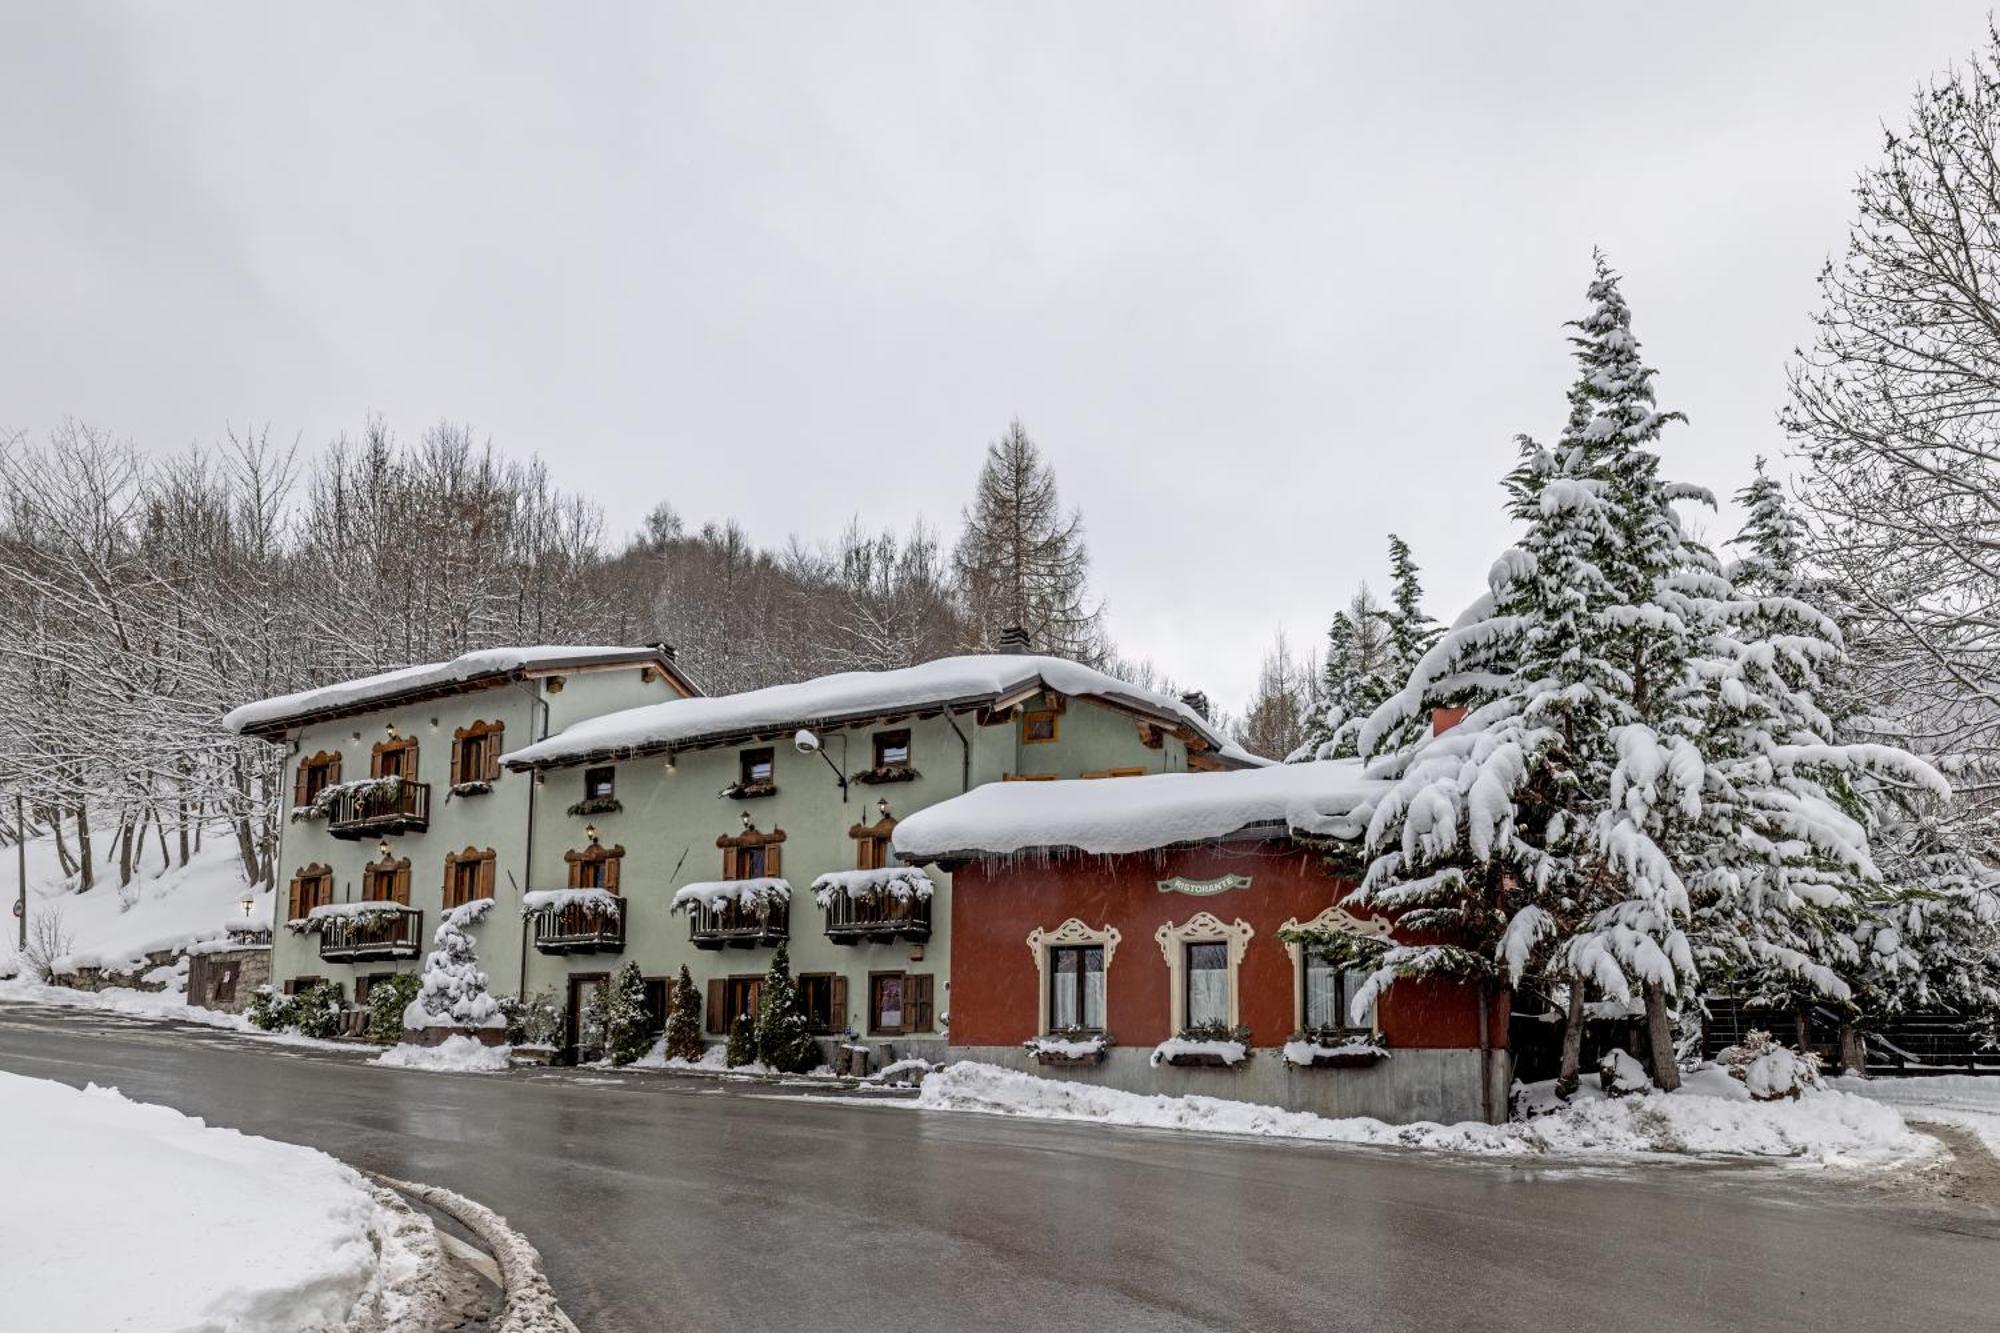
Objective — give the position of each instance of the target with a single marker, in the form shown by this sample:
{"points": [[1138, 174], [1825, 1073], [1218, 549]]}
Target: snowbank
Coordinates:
{"points": [[116, 926], [453, 1055], [1327, 798], [167, 1005], [129, 1216], [406, 680], [849, 696], [1713, 1114], [1969, 1101]]}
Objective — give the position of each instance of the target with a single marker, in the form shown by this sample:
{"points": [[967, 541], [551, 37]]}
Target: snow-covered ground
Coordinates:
{"points": [[130, 1216], [453, 1055], [168, 1004], [114, 926], [1968, 1101], [1712, 1114]]}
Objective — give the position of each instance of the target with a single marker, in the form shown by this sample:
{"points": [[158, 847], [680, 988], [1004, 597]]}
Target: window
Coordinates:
{"points": [[468, 875], [1076, 987], [394, 759], [1207, 983], [729, 997], [892, 749], [899, 1002], [823, 997], [312, 887], [656, 1005], [300, 985], [755, 767], [1038, 726], [595, 867], [315, 775], [752, 855], [599, 783], [1324, 993], [475, 752], [872, 847], [386, 881]]}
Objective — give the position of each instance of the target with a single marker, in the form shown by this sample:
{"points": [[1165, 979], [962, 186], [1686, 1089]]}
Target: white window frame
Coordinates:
{"points": [[1070, 932], [1203, 928], [1339, 920]]}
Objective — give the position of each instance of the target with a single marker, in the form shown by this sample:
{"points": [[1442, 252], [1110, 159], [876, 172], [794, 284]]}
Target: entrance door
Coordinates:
{"points": [[585, 1029]]}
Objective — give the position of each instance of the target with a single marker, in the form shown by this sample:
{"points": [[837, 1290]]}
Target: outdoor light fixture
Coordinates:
{"points": [[248, 904], [747, 825], [383, 847], [392, 732], [882, 806], [590, 832], [805, 742]]}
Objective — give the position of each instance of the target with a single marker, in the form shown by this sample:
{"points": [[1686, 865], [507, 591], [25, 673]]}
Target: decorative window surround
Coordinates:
{"points": [[1071, 931], [1203, 888], [1335, 918], [1203, 928]]}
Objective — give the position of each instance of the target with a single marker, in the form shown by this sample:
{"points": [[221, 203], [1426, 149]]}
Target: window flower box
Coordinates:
{"points": [[477, 787], [1205, 1046], [597, 805], [1335, 1049], [1071, 1048], [747, 791], [886, 773]]}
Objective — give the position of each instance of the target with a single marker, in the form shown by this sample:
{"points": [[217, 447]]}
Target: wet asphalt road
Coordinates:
{"points": [[671, 1203]]}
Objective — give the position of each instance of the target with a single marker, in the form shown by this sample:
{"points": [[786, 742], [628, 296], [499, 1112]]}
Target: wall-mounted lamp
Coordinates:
{"points": [[383, 847], [747, 825], [434, 724], [882, 806], [590, 832], [248, 903]]}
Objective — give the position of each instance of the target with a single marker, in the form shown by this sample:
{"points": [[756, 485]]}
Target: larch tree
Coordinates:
{"points": [[1021, 560]]}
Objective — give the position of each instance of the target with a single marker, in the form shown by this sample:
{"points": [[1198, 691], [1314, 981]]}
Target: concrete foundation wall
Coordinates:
{"points": [[1411, 1085]]}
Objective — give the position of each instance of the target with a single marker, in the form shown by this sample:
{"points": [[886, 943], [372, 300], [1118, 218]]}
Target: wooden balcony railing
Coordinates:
{"points": [[373, 810], [580, 928], [733, 925], [878, 918], [368, 936]]}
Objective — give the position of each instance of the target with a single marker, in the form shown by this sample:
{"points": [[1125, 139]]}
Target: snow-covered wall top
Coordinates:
{"points": [[854, 695], [461, 670], [1108, 816]]}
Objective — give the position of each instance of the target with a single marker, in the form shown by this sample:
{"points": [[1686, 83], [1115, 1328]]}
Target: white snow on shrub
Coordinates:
{"points": [[853, 695], [387, 684], [900, 882], [455, 991], [594, 902], [130, 1216], [1619, 1074], [453, 1055], [745, 892], [1768, 1068], [1327, 798], [1712, 1114]]}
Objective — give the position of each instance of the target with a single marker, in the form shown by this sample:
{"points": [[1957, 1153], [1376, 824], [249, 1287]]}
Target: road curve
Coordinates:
{"points": [[663, 1204]]}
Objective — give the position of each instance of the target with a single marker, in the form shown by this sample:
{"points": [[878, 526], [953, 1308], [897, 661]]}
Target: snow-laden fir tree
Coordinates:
{"points": [[1371, 650], [784, 1036], [626, 1035], [1022, 561], [684, 1020], [455, 990]]}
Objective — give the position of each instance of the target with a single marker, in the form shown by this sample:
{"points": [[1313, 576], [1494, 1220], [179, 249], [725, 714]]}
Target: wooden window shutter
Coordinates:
{"points": [[293, 915], [299, 783], [716, 1023], [487, 864], [402, 882], [916, 1002], [839, 1003], [611, 864], [490, 771], [756, 997], [457, 753], [575, 873], [729, 863], [773, 860]]}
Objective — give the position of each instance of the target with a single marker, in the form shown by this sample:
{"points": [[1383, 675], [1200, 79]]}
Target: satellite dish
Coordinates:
{"points": [[805, 742]]}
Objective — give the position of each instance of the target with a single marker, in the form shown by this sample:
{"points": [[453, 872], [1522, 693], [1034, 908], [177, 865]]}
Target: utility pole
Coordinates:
{"points": [[21, 847]]}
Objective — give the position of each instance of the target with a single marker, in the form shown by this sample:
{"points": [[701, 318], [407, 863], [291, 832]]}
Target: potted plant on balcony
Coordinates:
{"points": [[1205, 1046], [1069, 1047], [1335, 1048]]}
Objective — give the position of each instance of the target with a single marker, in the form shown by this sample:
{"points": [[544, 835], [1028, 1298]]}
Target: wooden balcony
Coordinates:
{"points": [[878, 918], [578, 928], [732, 925], [372, 936], [380, 810]]}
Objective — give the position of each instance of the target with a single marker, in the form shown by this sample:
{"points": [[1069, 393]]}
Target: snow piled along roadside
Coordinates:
{"points": [[1712, 1114], [453, 1055], [127, 1215]]}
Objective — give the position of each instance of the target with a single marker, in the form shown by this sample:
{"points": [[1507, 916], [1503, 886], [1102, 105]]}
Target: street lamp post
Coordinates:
{"points": [[21, 848]]}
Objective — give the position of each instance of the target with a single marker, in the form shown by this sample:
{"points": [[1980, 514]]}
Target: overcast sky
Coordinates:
{"points": [[1266, 282]]}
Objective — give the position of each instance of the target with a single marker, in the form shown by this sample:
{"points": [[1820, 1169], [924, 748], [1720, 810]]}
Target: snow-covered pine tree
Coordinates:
{"points": [[455, 990], [1359, 672], [1021, 560], [741, 1048], [626, 1037], [784, 1037], [684, 1020]]}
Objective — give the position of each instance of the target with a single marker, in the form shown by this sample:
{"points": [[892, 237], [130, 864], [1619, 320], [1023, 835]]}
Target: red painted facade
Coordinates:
{"points": [[996, 904]]}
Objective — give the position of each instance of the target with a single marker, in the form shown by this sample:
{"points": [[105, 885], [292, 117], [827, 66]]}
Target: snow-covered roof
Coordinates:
{"points": [[1107, 816], [433, 678], [853, 696]]}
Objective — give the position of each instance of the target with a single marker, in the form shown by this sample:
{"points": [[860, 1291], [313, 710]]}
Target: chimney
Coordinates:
{"points": [[1198, 702], [1015, 640]]}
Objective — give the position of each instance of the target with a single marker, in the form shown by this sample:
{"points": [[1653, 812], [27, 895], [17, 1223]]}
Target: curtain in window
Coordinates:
{"points": [[1093, 988], [1323, 1006], [1063, 994], [1207, 983]]}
